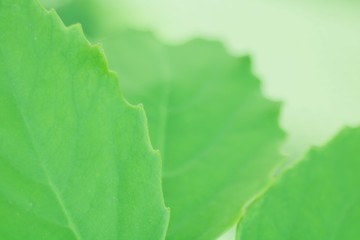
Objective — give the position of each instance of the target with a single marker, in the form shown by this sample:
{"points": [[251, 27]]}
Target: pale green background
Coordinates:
{"points": [[308, 54]]}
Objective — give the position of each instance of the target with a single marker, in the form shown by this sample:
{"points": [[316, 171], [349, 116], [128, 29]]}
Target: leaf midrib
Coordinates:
{"points": [[52, 186]]}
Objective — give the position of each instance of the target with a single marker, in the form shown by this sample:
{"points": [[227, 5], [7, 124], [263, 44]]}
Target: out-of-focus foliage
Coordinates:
{"points": [[306, 52], [75, 158], [218, 136], [318, 199]]}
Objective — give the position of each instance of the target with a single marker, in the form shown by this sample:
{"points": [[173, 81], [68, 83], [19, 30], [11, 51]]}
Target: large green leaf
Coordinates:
{"points": [[318, 199], [75, 159], [217, 134]]}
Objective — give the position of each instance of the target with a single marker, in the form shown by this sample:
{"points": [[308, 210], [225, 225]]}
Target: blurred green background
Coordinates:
{"points": [[306, 52]]}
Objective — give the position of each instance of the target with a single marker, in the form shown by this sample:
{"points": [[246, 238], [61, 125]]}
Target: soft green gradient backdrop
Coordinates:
{"points": [[306, 53]]}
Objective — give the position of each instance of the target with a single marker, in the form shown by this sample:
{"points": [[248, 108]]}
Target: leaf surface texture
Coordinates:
{"points": [[75, 158]]}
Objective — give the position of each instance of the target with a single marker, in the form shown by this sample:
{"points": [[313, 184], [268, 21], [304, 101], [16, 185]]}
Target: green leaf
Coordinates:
{"points": [[88, 12], [217, 134], [75, 159], [318, 199]]}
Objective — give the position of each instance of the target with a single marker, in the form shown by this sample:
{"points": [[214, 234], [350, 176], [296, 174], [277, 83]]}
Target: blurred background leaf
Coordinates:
{"points": [[307, 53], [317, 199], [218, 136]]}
